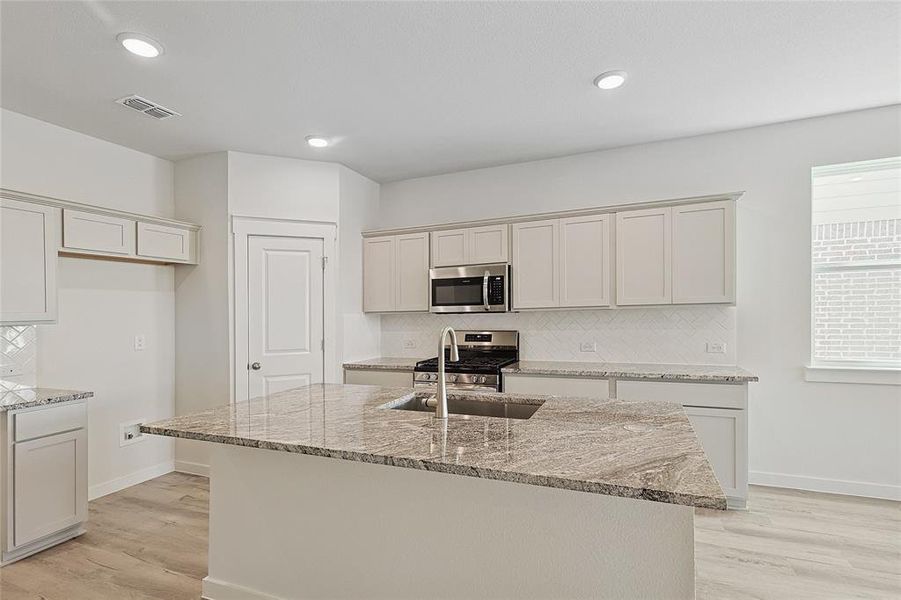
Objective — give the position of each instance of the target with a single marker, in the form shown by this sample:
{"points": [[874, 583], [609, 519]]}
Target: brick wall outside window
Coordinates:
{"points": [[857, 312]]}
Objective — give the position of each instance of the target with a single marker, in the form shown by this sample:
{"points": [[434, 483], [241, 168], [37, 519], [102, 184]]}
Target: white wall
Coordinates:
{"points": [[837, 437], [358, 211], [103, 304]]}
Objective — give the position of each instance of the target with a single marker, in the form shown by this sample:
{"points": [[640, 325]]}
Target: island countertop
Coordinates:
{"points": [[15, 396], [660, 372], [643, 450]]}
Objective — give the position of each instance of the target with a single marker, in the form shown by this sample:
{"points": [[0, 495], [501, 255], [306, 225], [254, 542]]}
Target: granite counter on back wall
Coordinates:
{"points": [[642, 450], [384, 363], [659, 372], [14, 396]]}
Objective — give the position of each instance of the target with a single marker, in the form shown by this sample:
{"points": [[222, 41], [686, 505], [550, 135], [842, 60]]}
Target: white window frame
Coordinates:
{"points": [[868, 372]]}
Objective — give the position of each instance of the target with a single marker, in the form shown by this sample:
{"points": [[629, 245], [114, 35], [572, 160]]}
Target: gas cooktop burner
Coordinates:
{"points": [[468, 364]]}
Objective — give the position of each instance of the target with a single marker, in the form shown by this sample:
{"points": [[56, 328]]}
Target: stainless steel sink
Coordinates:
{"points": [[466, 406]]}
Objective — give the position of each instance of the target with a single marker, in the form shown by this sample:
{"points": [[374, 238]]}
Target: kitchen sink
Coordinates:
{"points": [[466, 406]]}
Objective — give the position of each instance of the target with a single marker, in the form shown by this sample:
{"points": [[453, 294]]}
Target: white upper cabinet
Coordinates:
{"points": [[98, 233], [643, 256], [470, 246], [536, 264], [586, 251], [396, 273], [487, 244], [412, 272], [449, 248], [29, 238], [704, 253], [165, 242], [379, 286]]}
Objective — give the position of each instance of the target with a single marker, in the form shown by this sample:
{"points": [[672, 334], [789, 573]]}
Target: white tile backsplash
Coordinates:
{"points": [[670, 334], [18, 352]]}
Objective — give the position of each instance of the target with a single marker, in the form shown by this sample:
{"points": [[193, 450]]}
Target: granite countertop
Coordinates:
{"points": [[638, 449], [665, 372], [15, 396], [384, 363]]}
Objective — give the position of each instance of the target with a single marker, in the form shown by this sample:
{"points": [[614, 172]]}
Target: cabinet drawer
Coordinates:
{"points": [[714, 395], [45, 421], [557, 386], [98, 233], [163, 241]]}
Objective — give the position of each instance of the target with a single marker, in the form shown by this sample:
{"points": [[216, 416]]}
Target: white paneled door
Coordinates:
{"points": [[285, 313]]}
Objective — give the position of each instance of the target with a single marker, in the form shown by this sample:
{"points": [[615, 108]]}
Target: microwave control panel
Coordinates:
{"points": [[496, 289]]}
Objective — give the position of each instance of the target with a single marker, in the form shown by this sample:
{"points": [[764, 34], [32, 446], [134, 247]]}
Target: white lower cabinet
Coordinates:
{"points": [[557, 386], [44, 478], [378, 377]]}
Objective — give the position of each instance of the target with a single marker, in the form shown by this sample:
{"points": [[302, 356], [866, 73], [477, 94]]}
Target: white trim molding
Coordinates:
{"points": [[842, 374], [192, 468], [120, 483], [829, 486]]}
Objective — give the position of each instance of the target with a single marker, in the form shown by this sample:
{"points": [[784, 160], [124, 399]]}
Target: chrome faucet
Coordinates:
{"points": [[441, 408]]}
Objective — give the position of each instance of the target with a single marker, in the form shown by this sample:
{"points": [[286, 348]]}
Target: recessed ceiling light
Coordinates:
{"points": [[140, 44], [317, 141], [610, 80]]}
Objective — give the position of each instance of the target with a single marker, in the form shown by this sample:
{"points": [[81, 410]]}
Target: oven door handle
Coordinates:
{"points": [[485, 290]]}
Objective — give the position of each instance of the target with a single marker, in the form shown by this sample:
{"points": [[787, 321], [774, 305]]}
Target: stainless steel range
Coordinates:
{"points": [[482, 356]]}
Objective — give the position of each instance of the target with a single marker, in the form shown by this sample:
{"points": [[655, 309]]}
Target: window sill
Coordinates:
{"points": [[835, 374]]}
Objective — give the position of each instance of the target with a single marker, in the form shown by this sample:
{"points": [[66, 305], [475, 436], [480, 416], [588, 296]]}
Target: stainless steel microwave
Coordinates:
{"points": [[475, 288]]}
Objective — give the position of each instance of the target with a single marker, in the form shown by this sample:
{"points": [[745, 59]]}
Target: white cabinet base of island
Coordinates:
{"points": [[287, 525]]}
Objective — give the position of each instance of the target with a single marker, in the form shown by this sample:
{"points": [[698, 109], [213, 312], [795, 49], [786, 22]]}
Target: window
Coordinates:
{"points": [[856, 265]]}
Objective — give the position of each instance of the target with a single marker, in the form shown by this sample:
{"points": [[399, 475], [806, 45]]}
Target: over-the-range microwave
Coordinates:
{"points": [[474, 288]]}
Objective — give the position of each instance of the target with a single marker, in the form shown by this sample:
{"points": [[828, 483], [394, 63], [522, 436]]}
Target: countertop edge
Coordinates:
{"points": [[61, 399], [648, 494], [626, 375]]}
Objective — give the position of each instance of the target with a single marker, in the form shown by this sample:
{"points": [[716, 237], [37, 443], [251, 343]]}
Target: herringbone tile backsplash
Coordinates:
{"points": [[671, 334], [18, 351]]}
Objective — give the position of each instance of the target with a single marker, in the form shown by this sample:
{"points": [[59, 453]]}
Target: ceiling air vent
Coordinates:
{"points": [[149, 108]]}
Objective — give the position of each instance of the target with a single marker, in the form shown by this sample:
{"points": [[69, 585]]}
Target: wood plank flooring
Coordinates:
{"points": [[149, 542]]}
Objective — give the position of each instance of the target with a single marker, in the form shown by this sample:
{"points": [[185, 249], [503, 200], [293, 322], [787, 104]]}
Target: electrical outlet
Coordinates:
{"points": [[140, 342], [409, 344], [716, 348], [10, 371], [588, 347], [130, 432]]}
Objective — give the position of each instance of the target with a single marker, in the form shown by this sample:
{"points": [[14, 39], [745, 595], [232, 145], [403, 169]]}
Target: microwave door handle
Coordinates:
{"points": [[485, 291]]}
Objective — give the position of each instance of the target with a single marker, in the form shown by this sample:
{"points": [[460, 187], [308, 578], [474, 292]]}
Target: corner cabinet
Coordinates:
{"points": [[562, 263], [29, 238], [396, 273], [470, 246]]}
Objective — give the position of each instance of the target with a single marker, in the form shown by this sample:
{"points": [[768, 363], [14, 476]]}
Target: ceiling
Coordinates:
{"points": [[407, 89]]}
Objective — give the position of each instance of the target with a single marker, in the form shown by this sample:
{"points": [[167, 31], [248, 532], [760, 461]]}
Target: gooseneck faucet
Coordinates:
{"points": [[441, 408]]}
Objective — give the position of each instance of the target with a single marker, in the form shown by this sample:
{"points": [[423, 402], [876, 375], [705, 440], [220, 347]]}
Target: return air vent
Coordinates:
{"points": [[151, 109]]}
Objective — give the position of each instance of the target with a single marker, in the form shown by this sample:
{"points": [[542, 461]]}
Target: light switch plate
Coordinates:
{"points": [[140, 342], [409, 344]]}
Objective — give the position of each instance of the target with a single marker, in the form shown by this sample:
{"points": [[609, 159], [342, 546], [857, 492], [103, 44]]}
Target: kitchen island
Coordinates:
{"points": [[584, 498]]}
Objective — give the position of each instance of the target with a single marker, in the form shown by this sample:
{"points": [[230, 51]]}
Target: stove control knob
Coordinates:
{"points": [[480, 379], [452, 378], [432, 376]]}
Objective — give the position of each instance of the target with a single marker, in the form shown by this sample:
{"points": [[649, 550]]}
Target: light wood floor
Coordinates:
{"points": [[149, 541]]}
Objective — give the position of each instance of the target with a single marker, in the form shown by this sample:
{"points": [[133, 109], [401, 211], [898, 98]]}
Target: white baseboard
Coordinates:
{"points": [[830, 486], [213, 589], [120, 483], [192, 468]]}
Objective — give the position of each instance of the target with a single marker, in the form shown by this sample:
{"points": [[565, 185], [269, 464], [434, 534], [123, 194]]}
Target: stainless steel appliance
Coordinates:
{"points": [[482, 356], [477, 288]]}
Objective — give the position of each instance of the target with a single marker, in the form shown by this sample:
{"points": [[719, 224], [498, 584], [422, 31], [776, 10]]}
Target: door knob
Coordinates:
{"points": [[256, 366]]}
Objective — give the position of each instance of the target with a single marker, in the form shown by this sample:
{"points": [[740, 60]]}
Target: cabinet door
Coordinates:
{"points": [[449, 248], [412, 272], [643, 251], [49, 485], [379, 274], [487, 244], [98, 233], [704, 253], [722, 433], [585, 261], [28, 245], [536, 252], [165, 242]]}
